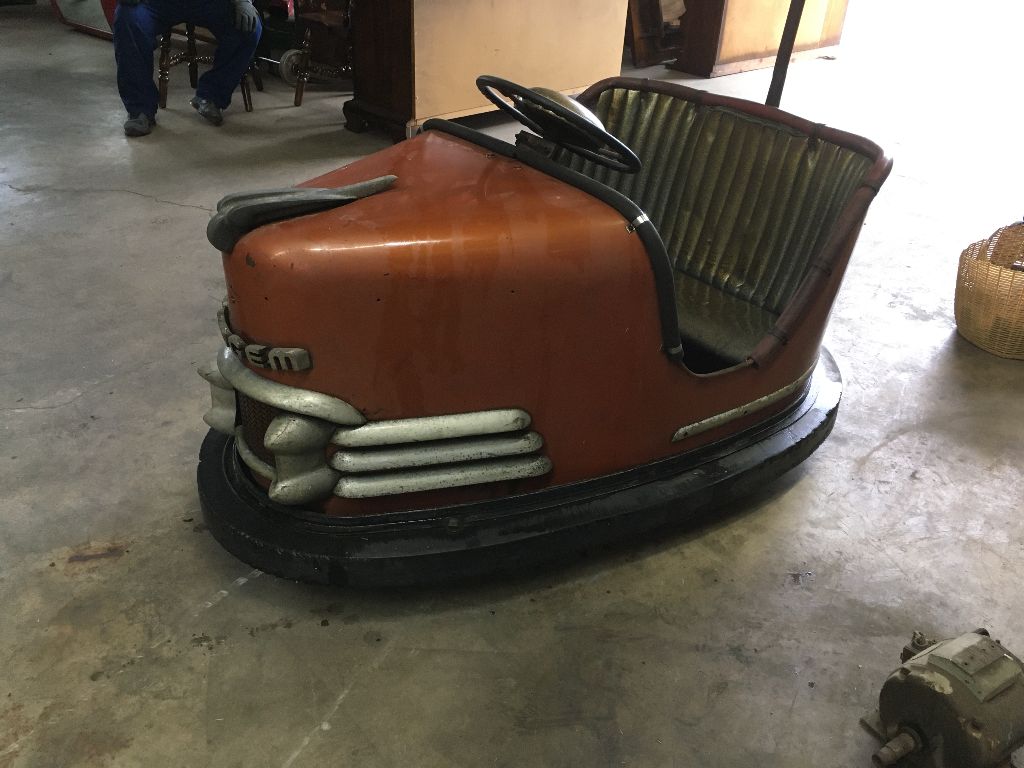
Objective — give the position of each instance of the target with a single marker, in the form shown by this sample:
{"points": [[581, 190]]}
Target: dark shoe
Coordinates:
{"points": [[207, 110], [138, 125]]}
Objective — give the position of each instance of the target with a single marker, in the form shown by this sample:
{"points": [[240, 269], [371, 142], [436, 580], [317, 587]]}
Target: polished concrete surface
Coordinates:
{"points": [[130, 638]]}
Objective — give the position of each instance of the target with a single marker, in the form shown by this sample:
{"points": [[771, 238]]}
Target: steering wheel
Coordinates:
{"points": [[557, 118]]}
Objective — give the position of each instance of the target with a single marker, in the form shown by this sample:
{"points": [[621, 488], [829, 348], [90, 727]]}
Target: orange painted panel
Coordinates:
{"points": [[477, 282]]}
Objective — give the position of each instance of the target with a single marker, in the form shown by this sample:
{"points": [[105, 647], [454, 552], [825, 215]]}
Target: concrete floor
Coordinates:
{"points": [[129, 638]]}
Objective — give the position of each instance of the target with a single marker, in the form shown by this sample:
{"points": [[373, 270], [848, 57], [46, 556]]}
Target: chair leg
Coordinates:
{"points": [[246, 93], [257, 76], [164, 68], [303, 73], [191, 55]]}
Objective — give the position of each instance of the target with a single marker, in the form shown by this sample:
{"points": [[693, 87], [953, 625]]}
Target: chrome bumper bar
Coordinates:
{"points": [[373, 458]]}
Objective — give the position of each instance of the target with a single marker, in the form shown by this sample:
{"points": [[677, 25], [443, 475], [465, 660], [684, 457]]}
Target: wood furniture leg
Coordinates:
{"points": [[257, 75], [164, 68], [303, 73], [190, 54], [246, 93]]}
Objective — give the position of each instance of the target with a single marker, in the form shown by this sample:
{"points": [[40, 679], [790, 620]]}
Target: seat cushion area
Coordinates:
{"points": [[721, 324]]}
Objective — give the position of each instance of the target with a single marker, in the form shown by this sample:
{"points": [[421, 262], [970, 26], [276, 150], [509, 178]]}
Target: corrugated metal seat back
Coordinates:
{"points": [[743, 205]]}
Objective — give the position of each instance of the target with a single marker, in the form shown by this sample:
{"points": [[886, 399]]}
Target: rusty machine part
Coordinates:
{"points": [[957, 702]]}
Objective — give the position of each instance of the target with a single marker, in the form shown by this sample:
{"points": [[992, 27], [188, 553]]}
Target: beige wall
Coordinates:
{"points": [[671, 10], [561, 44], [753, 28]]}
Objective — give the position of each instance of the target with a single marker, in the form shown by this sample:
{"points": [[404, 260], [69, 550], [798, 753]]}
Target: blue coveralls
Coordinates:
{"points": [[136, 32]]}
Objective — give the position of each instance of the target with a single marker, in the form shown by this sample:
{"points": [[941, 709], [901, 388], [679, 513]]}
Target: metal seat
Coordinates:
{"points": [[744, 203]]}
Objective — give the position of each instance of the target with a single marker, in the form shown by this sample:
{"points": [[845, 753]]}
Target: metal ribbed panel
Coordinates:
{"points": [[451, 476], [741, 203], [290, 447], [395, 431], [443, 452], [382, 458]]}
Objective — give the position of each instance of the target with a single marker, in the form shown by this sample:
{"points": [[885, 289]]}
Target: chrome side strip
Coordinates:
{"points": [[388, 483], [250, 459], [239, 214], [735, 413], [379, 433], [423, 455], [286, 398]]}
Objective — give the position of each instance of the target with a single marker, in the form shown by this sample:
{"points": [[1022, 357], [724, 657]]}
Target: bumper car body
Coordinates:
{"points": [[464, 355]]}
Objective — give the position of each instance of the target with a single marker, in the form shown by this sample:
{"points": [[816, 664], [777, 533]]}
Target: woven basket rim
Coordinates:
{"points": [[989, 301], [1003, 248]]}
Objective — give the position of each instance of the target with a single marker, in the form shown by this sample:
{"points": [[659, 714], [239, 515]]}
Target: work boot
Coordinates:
{"points": [[138, 125], [207, 110]]}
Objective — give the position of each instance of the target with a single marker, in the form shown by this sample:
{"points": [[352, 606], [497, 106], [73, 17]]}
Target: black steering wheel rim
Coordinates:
{"points": [[611, 152]]}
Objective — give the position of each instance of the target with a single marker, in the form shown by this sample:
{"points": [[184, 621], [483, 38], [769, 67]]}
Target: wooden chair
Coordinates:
{"points": [[192, 57], [332, 32]]}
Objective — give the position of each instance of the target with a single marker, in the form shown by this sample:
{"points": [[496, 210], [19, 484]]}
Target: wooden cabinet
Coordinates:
{"points": [[720, 37], [417, 59]]}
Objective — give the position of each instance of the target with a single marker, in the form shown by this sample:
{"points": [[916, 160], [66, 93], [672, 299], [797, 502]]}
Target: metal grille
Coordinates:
{"points": [[381, 458], [307, 458], [255, 417]]}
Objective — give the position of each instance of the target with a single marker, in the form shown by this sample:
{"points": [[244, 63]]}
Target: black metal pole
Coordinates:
{"points": [[796, 11]]}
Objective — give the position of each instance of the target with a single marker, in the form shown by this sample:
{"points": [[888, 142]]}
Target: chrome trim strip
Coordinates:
{"points": [[389, 483], [301, 480], [250, 459], [241, 213], [222, 320], [221, 415], [286, 398], [454, 449], [293, 434], [298, 444], [735, 413], [423, 455], [381, 433]]}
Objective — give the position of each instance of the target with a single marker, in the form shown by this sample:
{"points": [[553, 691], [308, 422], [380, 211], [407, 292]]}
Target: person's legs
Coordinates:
{"points": [[136, 28], [234, 52]]}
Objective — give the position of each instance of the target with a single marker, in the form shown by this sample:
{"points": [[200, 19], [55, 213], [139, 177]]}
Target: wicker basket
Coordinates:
{"points": [[989, 305]]}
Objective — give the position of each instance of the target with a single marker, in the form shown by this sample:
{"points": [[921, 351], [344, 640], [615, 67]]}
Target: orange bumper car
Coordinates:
{"points": [[461, 356]]}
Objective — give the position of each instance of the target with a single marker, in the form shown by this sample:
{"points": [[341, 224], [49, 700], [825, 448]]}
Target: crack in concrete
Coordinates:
{"points": [[31, 189], [81, 393], [891, 437], [42, 407], [14, 747], [325, 720]]}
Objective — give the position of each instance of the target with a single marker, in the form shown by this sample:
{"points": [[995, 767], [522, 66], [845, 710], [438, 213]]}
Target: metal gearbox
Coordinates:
{"points": [[958, 702]]}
